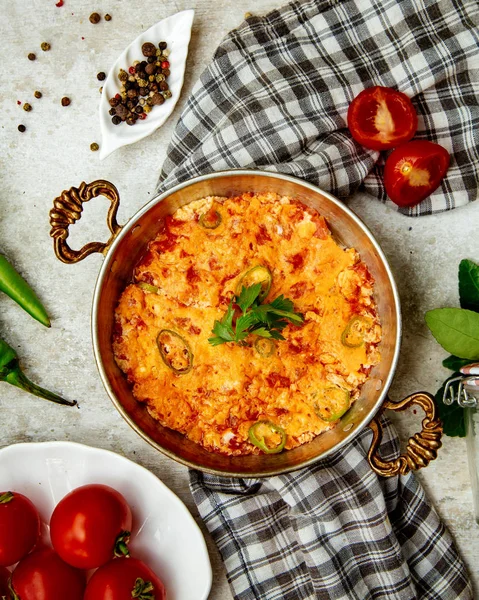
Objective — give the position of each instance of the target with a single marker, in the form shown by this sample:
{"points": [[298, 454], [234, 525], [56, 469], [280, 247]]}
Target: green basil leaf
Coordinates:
{"points": [[469, 285], [452, 416], [455, 363], [456, 329]]}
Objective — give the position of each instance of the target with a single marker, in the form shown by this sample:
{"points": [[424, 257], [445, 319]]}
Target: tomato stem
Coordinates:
{"points": [[143, 590], [121, 545], [6, 497], [12, 591]]}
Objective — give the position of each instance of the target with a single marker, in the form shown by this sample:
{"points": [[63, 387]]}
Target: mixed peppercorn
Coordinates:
{"points": [[143, 86]]}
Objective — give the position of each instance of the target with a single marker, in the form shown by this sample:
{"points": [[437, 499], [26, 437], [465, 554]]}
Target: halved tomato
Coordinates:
{"points": [[414, 170], [381, 118]]}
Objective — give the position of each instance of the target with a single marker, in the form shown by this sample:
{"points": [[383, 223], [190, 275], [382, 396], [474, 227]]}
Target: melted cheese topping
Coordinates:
{"points": [[231, 387]]}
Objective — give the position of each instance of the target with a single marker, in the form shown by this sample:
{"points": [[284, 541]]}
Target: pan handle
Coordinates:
{"points": [[67, 209], [421, 448]]}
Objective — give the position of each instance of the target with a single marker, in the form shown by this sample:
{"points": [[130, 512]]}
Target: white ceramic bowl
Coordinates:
{"points": [[176, 31], [164, 534]]}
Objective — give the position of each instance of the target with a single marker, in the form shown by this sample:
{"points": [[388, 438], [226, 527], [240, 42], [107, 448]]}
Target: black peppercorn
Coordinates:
{"points": [[107, 17], [138, 109], [148, 49], [143, 65], [166, 72], [130, 120], [22, 128], [95, 18], [162, 45], [150, 69], [143, 91], [122, 111], [116, 120], [157, 99], [130, 104], [132, 93], [163, 86], [65, 101], [101, 76], [112, 111], [114, 101], [152, 59], [32, 56], [37, 94]]}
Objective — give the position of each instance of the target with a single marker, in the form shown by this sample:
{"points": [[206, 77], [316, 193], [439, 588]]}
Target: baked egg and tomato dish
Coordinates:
{"points": [[247, 327]]}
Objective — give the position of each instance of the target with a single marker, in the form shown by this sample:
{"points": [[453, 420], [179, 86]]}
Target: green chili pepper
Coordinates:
{"points": [[148, 288], [175, 351], [356, 329], [18, 289], [11, 373], [331, 403], [211, 219], [265, 346], [258, 432], [258, 274]]}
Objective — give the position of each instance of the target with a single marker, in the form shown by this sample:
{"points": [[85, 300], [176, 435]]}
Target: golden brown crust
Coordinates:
{"points": [[230, 387]]}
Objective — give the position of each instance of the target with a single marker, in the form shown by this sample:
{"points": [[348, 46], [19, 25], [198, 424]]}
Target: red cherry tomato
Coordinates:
{"points": [[90, 526], [19, 527], [380, 118], [414, 170], [124, 579], [43, 575], [4, 578]]}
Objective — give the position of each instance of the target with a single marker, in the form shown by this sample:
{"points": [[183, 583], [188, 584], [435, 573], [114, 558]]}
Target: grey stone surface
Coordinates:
{"points": [[54, 154]]}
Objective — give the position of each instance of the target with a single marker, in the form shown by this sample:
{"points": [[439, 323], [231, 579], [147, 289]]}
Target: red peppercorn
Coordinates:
{"points": [[165, 65], [118, 96], [131, 70], [142, 116]]}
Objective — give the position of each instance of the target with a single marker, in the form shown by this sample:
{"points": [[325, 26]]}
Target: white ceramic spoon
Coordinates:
{"points": [[176, 32]]}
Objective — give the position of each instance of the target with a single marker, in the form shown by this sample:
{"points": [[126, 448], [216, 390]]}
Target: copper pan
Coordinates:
{"points": [[127, 245]]}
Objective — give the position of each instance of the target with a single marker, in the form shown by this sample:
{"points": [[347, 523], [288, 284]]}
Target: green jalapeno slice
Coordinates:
{"points": [[211, 219], [355, 332], [148, 288], [175, 351], [265, 347], [257, 274], [263, 430], [331, 403]]}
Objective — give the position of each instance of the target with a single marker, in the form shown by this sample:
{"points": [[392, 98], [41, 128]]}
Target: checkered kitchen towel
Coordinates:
{"points": [[275, 97], [333, 531], [277, 92]]}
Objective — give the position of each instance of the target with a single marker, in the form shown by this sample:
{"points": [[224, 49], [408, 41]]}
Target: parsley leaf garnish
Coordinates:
{"points": [[265, 320]]}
